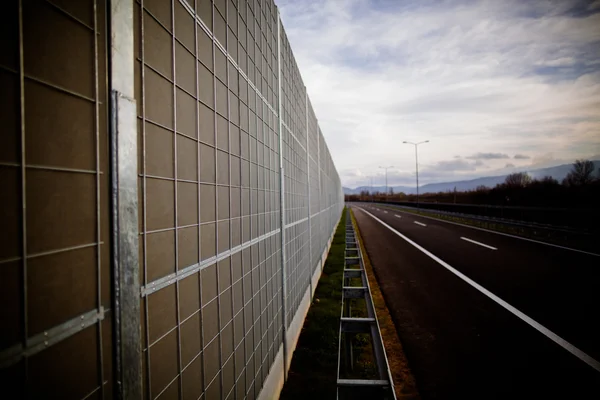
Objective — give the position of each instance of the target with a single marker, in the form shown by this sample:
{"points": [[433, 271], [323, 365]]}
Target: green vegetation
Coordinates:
{"points": [[313, 371]]}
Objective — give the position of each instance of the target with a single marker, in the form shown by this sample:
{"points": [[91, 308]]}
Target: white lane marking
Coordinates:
{"points": [[534, 324], [509, 235], [479, 243], [397, 216], [385, 212], [420, 223]]}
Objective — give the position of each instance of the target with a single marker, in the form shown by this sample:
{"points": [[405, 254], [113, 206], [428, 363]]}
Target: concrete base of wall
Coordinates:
{"points": [[278, 375]]}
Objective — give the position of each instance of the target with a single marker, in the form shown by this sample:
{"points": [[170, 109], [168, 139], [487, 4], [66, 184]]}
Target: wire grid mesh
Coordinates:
{"points": [[206, 88], [54, 158], [207, 340]]}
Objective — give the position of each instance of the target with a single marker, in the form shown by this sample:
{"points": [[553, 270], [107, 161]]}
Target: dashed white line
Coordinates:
{"points": [[385, 212], [420, 223], [397, 216], [481, 244], [530, 321], [511, 236]]}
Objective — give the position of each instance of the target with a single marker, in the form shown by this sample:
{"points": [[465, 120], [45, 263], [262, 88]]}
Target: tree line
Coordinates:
{"points": [[580, 188]]}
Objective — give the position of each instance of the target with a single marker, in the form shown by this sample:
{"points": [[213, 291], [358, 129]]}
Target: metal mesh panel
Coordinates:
{"points": [[54, 254], [209, 186], [221, 112]]}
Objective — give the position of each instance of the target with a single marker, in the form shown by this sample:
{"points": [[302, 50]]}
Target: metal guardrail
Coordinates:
{"points": [[505, 221], [567, 219], [380, 384]]}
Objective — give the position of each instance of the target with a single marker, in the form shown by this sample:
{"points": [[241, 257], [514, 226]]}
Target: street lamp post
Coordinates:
{"points": [[417, 163], [386, 185]]}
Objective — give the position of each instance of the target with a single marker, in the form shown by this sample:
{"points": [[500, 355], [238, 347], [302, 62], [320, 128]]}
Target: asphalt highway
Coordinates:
{"points": [[485, 315]]}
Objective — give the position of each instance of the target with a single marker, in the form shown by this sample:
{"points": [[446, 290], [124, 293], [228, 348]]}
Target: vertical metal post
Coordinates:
{"points": [[281, 201], [386, 185], [24, 269], [123, 132], [216, 149], [230, 198], [175, 197], [200, 312], [417, 169], [320, 218], [310, 260], [98, 232]]}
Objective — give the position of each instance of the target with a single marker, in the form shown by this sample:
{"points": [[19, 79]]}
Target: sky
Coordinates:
{"points": [[495, 86]]}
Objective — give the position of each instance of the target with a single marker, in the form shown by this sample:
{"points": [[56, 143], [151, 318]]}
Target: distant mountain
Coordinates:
{"points": [[558, 172], [380, 189]]}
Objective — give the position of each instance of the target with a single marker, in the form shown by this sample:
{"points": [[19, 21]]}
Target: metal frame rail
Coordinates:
{"points": [[382, 386], [505, 221], [436, 207]]}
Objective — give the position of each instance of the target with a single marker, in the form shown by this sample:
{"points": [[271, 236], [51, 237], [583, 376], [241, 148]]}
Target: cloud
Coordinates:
{"points": [[521, 157], [453, 165], [509, 165], [487, 156], [544, 160], [485, 77]]}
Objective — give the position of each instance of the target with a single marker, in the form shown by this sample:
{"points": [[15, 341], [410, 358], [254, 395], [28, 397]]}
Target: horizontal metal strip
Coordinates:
{"points": [[187, 271], [70, 16], [311, 217], [322, 211], [50, 337], [362, 382], [60, 88], [293, 135], [229, 57], [352, 260], [354, 292], [51, 168], [296, 223], [356, 325], [56, 251], [353, 273]]}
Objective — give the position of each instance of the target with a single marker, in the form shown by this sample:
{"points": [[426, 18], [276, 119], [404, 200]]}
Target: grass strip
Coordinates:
{"points": [[313, 371], [404, 381]]}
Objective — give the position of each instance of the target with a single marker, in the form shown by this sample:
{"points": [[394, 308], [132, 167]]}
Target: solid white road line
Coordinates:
{"points": [[420, 223], [397, 216], [530, 321], [481, 244], [508, 234]]}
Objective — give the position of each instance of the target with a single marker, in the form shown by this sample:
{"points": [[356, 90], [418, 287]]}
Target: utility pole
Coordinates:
{"points": [[386, 185], [417, 164]]}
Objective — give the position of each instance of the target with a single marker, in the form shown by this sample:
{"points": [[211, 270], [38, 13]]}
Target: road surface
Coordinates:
{"points": [[485, 315]]}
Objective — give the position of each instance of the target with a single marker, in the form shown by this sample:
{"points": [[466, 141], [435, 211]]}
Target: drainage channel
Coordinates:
{"points": [[363, 369]]}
